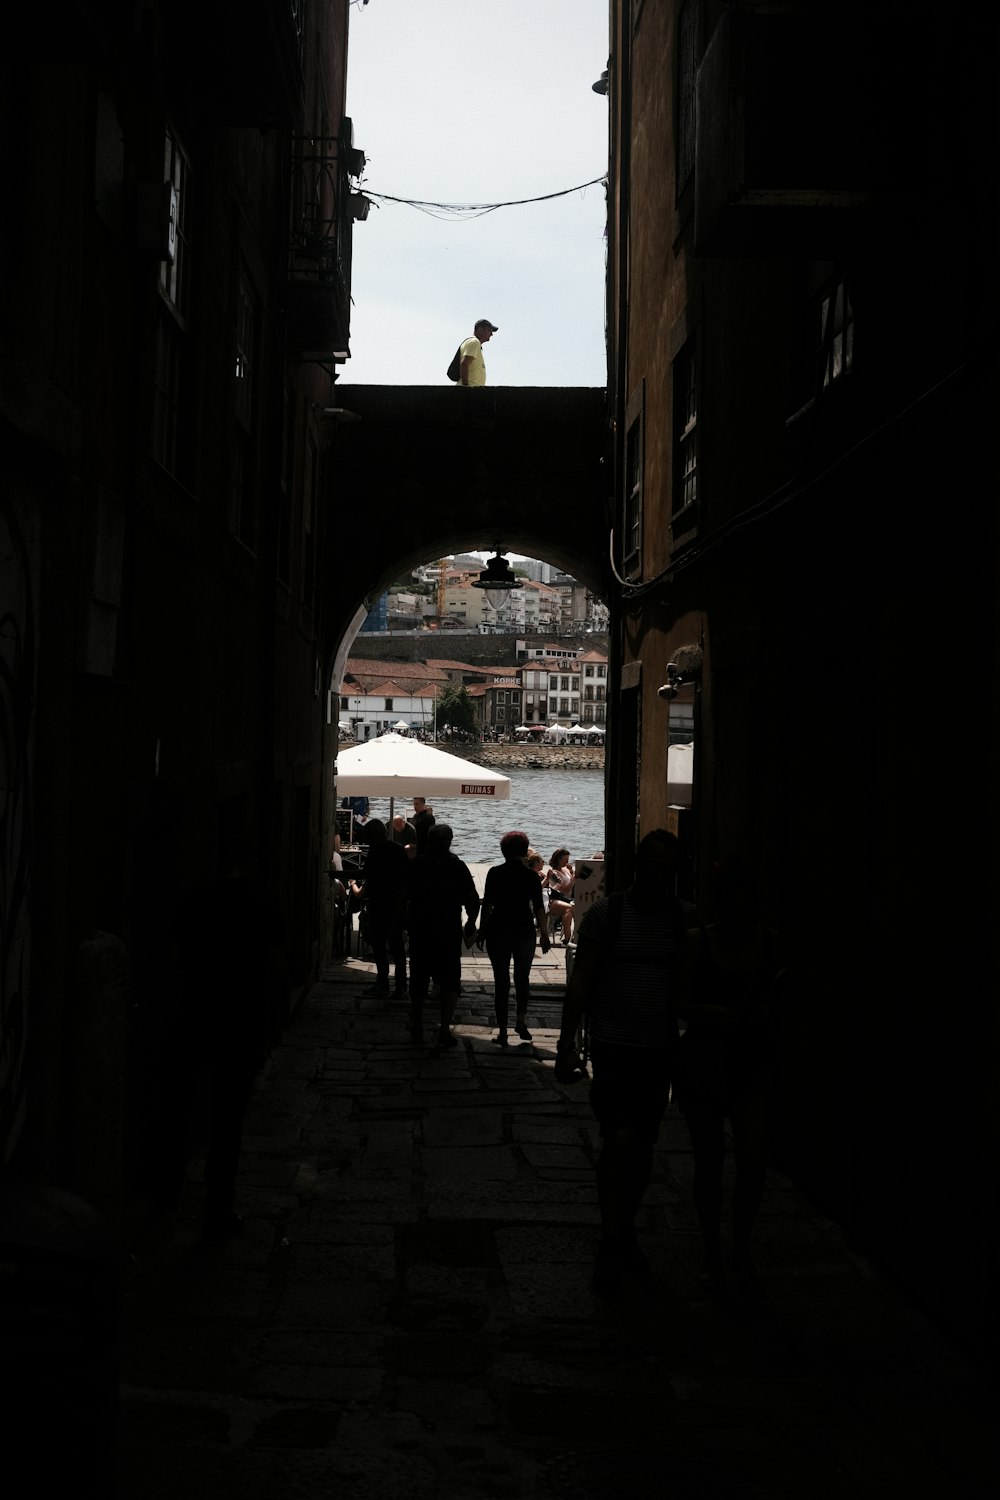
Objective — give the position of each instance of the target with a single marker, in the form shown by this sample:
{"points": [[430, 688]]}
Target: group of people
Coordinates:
{"points": [[671, 1008], [659, 1006], [413, 884]]}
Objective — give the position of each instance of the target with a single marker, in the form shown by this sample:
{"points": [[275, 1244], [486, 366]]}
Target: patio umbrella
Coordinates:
{"points": [[394, 766]]}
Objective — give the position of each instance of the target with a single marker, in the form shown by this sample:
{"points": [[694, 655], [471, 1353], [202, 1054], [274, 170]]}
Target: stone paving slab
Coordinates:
{"points": [[408, 1312]]}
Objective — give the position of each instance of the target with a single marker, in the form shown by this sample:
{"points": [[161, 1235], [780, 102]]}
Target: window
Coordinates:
{"points": [[685, 385], [243, 515], [602, 671], [172, 446], [501, 697], [564, 705], [174, 275], [553, 705], [286, 490], [564, 684], [388, 705], [632, 537], [308, 527], [837, 321], [688, 31], [823, 352], [166, 392]]}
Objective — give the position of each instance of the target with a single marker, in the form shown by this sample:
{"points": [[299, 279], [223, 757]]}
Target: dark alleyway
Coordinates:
{"points": [[409, 1313]]}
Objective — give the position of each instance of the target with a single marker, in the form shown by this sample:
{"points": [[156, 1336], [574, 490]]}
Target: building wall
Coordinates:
{"points": [[806, 593], [168, 475]]}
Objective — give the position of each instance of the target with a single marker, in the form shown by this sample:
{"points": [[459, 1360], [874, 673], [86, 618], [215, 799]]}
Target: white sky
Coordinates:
{"points": [[479, 101]]}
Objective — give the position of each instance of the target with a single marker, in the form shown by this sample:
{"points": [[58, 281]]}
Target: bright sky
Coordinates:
{"points": [[479, 101]]}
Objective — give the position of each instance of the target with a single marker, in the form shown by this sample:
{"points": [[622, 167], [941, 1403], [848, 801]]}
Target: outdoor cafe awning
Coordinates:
{"points": [[396, 766]]}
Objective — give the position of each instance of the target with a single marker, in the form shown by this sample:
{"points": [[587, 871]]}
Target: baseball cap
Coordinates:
{"points": [[491, 326]]}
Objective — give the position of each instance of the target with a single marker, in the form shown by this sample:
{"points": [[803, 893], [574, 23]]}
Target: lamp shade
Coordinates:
{"points": [[497, 580]]}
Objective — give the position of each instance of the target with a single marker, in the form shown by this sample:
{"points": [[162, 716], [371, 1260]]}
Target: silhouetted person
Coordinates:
{"points": [[229, 939], [383, 891], [628, 973], [724, 1063], [402, 832], [422, 821], [440, 886], [471, 364], [512, 903]]}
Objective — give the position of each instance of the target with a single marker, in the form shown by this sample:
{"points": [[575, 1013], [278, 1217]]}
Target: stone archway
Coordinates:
{"points": [[421, 471]]}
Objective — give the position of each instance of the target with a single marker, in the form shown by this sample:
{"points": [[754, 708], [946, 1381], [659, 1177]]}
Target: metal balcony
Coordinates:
{"points": [[319, 248]]}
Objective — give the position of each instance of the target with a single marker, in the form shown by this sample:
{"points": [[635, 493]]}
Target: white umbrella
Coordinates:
{"points": [[396, 766]]}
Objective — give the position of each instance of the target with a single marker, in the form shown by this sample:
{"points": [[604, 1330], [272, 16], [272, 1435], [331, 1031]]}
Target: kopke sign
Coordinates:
{"points": [[474, 789]]}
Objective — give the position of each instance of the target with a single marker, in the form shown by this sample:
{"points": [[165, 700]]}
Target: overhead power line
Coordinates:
{"points": [[474, 210]]}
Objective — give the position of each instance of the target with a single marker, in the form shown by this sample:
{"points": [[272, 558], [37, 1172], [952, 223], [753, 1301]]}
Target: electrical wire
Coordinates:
{"points": [[465, 211]]}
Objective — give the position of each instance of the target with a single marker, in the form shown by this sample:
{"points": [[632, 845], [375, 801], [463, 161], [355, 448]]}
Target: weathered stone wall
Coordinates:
{"points": [[461, 645], [538, 757]]}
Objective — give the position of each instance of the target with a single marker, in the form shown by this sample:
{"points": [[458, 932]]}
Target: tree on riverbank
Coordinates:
{"points": [[455, 707]]}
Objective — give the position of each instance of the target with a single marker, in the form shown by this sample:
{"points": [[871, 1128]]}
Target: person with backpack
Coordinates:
{"points": [[628, 979], [468, 366]]}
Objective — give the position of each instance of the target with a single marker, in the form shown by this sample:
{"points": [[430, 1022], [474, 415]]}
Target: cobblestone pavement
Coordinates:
{"points": [[408, 1312]]}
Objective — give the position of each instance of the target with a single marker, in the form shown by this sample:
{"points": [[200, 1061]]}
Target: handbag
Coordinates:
{"points": [[455, 368]]}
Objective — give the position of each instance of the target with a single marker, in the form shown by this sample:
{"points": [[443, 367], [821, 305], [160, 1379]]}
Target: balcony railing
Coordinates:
{"points": [[319, 247]]}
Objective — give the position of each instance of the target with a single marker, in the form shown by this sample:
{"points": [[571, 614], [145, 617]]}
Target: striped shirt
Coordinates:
{"points": [[632, 1002]]}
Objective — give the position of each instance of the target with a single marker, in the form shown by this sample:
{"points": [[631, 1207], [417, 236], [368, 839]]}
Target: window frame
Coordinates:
{"points": [[684, 378], [246, 341], [175, 275], [633, 476]]}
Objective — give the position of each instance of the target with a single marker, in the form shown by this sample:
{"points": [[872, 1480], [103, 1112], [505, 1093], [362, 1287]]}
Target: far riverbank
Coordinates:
{"points": [[507, 757]]}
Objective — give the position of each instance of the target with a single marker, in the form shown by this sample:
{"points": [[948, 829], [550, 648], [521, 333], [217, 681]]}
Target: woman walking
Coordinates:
{"points": [[512, 903]]}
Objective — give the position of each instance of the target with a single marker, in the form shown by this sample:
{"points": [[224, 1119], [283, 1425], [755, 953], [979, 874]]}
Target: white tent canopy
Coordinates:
{"points": [[397, 766], [401, 726]]}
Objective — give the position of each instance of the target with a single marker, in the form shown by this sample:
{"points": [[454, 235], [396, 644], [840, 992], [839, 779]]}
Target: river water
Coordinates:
{"points": [[554, 808]]}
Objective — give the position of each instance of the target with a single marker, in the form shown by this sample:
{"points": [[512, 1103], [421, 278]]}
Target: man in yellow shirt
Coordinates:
{"points": [[473, 367]]}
